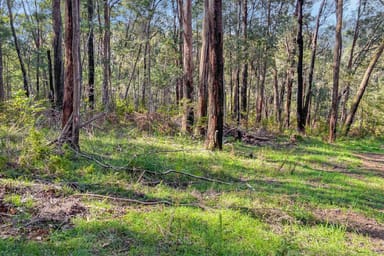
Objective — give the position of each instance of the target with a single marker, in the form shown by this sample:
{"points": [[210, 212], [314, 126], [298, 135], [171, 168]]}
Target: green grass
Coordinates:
{"points": [[268, 209]]}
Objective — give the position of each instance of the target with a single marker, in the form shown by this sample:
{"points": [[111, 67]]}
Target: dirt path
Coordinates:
{"points": [[372, 162]]}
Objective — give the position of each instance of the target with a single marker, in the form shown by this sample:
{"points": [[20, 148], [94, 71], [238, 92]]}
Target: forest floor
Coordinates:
{"points": [[130, 193]]}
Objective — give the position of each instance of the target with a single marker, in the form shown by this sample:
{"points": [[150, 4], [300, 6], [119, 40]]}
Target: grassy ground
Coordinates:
{"points": [[308, 198]]}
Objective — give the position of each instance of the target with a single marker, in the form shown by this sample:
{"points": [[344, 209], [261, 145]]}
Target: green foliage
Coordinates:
{"points": [[35, 149]]}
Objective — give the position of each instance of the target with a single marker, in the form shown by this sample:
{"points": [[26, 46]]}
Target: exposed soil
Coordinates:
{"points": [[373, 162], [50, 210], [354, 222]]}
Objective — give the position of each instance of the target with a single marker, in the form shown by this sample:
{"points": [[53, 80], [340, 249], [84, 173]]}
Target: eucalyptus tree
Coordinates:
{"points": [[18, 50], [336, 70]]}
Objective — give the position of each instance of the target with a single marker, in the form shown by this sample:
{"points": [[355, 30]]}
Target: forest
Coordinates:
{"points": [[191, 127]]}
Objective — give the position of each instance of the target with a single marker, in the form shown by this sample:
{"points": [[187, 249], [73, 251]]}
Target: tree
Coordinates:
{"points": [[309, 93], [201, 112], [187, 120], [106, 56], [244, 87], [21, 61], [58, 74], [2, 91], [91, 58], [300, 45], [214, 138], [336, 70], [71, 103], [362, 88]]}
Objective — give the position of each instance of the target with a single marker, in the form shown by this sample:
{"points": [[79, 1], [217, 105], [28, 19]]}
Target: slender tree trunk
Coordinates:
{"points": [[336, 70], [106, 56], [290, 74], [72, 83], [244, 87], [22, 66], [276, 98], [201, 113], [214, 138], [91, 57], [76, 72], [350, 71], [38, 43], [187, 120], [58, 73], [69, 79], [300, 44], [260, 94], [2, 91], [362, 88], [312, 65], [50, 78]]}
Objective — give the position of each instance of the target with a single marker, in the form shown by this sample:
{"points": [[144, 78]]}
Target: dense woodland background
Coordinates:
{"points": [[290, 93], [301, 65]]}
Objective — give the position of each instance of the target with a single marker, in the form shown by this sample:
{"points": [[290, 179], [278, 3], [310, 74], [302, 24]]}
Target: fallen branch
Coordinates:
{"points": [[120, 199], [92, 119], [135, 201], [127, 168]]}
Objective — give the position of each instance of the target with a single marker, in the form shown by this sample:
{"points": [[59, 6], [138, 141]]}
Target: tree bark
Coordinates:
{"points": [[58, 73], [336, 70], [244, 87], [201, 112], [72, 83], [187, 120], [76, 72], [91, 57], [2, 91], [22, 66], [68, 81], [106, 56], [214, 138], [350, 71], [300, 45], [50, 77], [362, 88], [312, 65]]}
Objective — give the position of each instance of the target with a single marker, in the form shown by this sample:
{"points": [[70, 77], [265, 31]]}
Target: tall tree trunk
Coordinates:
{"points": [[2, 91], [50, 78], [68, 70], [38, 44], [22, 66], [201, 112], [244, 87], [336, 70], [276, 96], [362, 87], [91, 57], [312, 65], [106, 56], [58, 73], [350, 71], [187, 120], [72, 83], [76, 72], [236, 97], [214, 138], [261, 91], [300, 45], [289, 81]]}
